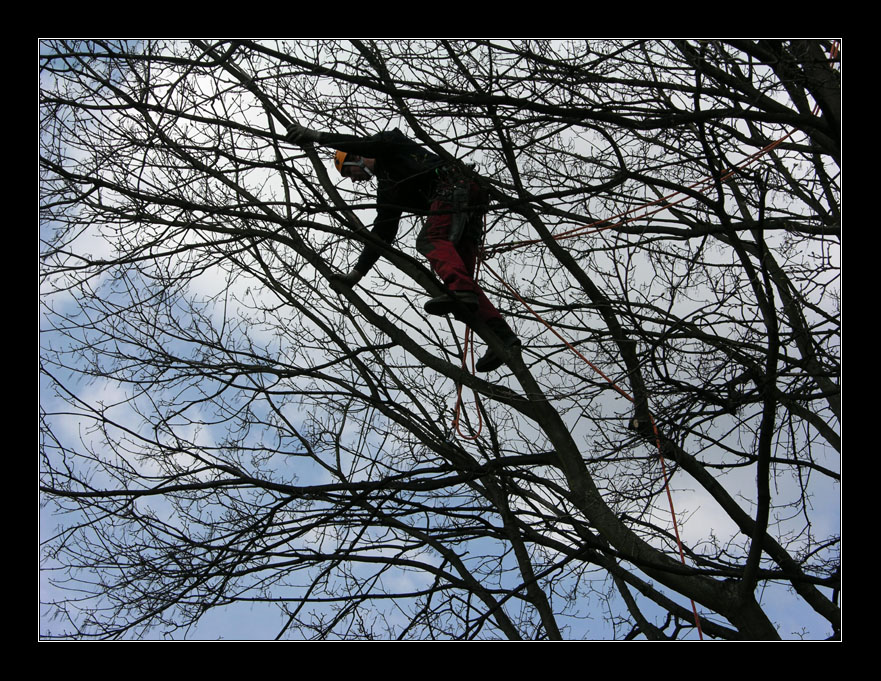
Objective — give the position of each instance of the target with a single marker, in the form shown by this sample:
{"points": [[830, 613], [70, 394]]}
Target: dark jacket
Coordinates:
{"points": [[406, 176]]}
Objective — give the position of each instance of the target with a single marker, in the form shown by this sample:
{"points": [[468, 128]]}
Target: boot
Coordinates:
{"points": [[491, 361], [445, 304]]}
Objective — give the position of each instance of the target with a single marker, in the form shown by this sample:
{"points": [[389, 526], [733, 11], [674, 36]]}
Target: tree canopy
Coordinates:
{"points": [[232, 447]]}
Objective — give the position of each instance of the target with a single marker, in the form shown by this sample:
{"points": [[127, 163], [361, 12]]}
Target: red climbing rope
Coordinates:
{"points": [[467, 346]]}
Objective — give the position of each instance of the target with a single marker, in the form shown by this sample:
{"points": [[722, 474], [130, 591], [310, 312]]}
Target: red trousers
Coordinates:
{"points": [[453, 257]]}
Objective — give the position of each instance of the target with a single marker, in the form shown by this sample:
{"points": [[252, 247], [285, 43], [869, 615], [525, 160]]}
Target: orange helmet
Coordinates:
{"points": [[338, 159]]}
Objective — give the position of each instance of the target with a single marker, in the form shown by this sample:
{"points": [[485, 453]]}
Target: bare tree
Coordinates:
{"points": [[223, 432]]}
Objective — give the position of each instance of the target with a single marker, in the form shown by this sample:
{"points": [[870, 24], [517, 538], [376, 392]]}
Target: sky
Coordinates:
{"points": [[694, 506]]}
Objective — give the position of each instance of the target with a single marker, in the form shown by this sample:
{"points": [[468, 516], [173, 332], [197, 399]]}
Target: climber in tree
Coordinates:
{"points": [[412, 178]]}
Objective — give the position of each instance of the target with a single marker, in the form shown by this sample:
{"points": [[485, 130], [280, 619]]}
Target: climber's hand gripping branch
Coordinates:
{"points": [[298, 134]]}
